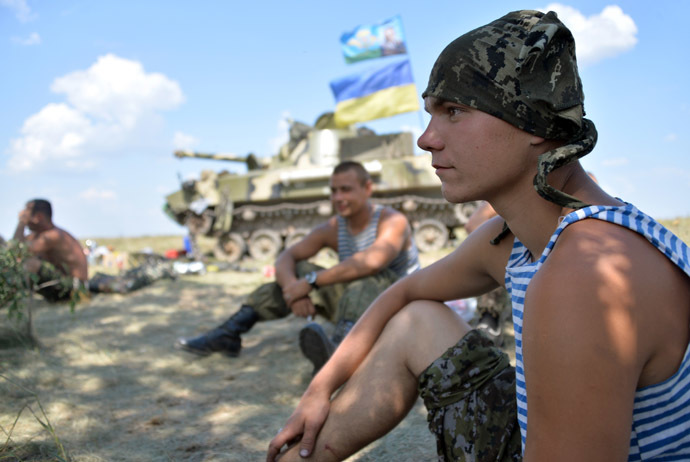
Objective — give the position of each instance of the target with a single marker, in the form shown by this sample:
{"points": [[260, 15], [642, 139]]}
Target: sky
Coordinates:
{"points": [[96, 96]]}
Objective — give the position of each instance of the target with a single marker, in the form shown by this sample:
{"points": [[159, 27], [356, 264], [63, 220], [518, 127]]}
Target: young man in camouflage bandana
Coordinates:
{"points": [[601, 348]]}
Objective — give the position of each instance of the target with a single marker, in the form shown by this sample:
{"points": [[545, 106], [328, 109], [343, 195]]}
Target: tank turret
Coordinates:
{"points": [[279, 199]]}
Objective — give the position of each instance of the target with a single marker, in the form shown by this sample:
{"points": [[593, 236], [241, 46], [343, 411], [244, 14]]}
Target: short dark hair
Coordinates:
{"points": [[42, 206], [351, 165]]}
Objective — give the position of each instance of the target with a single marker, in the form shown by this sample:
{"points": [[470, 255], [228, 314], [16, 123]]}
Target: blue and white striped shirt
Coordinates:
{"points": [[661, 414], [406, 262]]}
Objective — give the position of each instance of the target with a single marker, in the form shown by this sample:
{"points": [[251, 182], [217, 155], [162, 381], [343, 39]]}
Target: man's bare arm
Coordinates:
{"points": [[319, 238], [21, 225], [461, 274], [591, 314], [393, 233]]}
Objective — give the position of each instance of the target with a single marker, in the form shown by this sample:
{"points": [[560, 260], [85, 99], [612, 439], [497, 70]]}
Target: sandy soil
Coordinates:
{"points": [[114, 389]]}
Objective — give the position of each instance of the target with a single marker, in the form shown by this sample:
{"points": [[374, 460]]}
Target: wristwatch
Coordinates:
{"points": [[311, 279]]}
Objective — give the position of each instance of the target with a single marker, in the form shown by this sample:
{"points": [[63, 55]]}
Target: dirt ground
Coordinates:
{"points": [[114, 389]]}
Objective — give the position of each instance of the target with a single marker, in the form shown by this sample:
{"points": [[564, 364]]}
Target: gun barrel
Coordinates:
{"points": [[214, 156]]}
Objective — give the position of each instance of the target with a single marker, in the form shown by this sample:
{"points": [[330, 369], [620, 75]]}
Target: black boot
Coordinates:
{"points": [[315, 344], [223, 339]]}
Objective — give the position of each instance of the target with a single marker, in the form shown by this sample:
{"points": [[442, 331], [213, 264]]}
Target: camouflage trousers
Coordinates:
{"points": [[469, 393], [335, 302], [131, 280], [495, 303], [55, 286]]}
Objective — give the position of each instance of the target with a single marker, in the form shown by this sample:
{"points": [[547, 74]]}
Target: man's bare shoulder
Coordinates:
{"points": [[591, 253], [597, 244], [606, 279], [391, 214]]}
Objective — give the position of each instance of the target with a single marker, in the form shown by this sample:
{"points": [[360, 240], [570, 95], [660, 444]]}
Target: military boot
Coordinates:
{"points": [[224, 339], [315, 344]]}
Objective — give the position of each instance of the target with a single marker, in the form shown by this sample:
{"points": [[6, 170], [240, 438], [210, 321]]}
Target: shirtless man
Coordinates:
{"points": [[600, 291], [58, 260]]}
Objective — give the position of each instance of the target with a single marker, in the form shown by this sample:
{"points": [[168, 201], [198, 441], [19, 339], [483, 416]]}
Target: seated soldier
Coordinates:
{"points": [[59, 259], [375, 247], [600, 291], [60, 262]]}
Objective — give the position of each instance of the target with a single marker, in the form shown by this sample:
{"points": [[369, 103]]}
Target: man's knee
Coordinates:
{"points": [[361, 293], [426, 329]]}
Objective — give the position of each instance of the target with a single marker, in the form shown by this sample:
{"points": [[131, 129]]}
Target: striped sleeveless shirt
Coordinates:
{"points": [[661, 413], [406, 262]]}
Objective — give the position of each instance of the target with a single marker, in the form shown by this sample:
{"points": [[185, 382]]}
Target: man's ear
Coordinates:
{"points": [[369, 186], [536, 140]]}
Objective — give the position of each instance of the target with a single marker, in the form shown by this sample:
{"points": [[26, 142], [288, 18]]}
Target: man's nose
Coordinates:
{"points": [[430, 140]]}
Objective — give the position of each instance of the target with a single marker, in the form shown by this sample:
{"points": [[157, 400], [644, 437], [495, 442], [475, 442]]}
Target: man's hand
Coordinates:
{"points": [[296, 290], [24, 217], [302, 307], [304, 425]]}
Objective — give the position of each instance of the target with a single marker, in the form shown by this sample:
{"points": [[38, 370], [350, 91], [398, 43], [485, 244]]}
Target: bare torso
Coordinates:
{"points": [[61, 249]]}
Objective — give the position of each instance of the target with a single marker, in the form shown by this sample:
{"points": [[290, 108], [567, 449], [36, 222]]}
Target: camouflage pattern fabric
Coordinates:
{"points": [[334, 302], [495, 302], [522, 69], [131, 280], [54, 285], [469, 393]]}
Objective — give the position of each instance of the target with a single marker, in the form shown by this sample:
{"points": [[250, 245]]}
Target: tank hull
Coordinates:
{"points": [[264, 210]]}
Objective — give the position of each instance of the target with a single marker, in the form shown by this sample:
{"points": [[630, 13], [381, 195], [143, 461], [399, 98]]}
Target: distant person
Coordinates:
{"points": [[58, 258], [600, 291], [375, 248], [60, 262], [154, 268]]}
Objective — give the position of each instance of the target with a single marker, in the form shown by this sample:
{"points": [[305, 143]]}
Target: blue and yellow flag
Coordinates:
{"points": [[373, 41], [375, 93]]}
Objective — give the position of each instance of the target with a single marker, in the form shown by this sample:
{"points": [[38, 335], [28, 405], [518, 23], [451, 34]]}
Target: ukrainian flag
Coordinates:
{"points": [[378, 92]]}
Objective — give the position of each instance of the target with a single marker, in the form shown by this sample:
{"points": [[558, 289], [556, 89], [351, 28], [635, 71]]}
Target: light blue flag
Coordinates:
{"points": [[373, 40]]}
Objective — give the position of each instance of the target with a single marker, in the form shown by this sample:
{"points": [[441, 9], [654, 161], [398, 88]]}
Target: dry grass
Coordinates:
{"points": [[115, 390]]}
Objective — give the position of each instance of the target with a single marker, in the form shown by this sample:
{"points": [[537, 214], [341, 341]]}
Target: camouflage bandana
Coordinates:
{"points": [[522, 69]]}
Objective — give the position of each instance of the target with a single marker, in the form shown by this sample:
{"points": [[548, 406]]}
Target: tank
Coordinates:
{"points": [[279, 199]]}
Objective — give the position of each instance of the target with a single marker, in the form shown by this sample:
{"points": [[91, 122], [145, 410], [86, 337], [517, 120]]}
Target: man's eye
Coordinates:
{"points": [[454, 111]]}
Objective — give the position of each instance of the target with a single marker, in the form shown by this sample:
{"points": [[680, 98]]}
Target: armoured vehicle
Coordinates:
{"points": [[279, 199]]}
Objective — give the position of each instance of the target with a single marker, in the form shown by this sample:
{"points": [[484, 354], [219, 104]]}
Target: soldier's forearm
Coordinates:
{"points": [[19, 232], [285, 269]]}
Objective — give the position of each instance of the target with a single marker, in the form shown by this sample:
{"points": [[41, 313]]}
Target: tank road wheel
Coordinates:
{"points": [[295, 236], [463, 211], [230, 247], [430, 235], [264, 244]]}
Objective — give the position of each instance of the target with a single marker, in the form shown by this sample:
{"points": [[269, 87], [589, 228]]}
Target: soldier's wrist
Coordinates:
{"points": [[311, 279]]}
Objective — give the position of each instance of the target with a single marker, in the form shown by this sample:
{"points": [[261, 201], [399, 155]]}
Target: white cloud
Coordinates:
{"points": [[118, 90], [94, 194], [671, 137], [108, 106], [21, 9], [598, 36], [184, 141], [33, 39]]}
